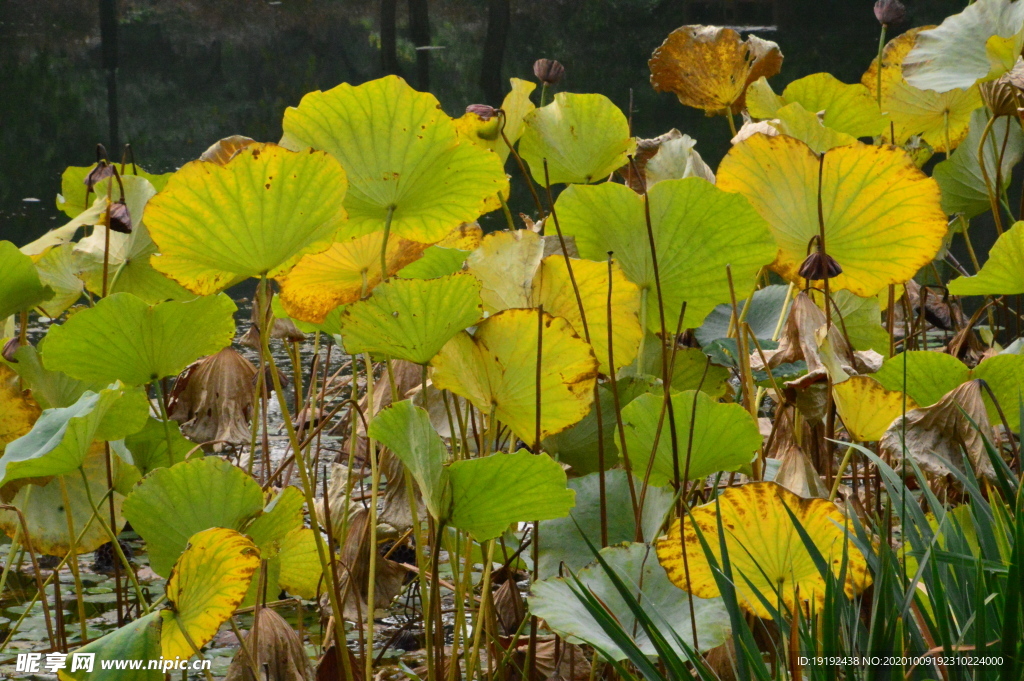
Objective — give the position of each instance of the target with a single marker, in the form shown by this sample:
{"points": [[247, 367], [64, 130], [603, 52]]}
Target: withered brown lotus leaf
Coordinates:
{"points": [[279, 653], [937, 436], [222, 151], [354, 571], [709, 67], [212, 399]]}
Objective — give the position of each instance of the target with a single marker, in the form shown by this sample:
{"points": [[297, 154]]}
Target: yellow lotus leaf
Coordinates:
{"points": [[207, 584], [496, 369], [553, 290], [767, 555], [18, 411], [486, 132], [709, 67], [583, 138], [465, 237], [403, 158], [1003, 272], [937, 117], [850, 109], [796, 121], [257, 214], [223, 150], [505, 263], [883, 219], [342, 274], [867, 408]]}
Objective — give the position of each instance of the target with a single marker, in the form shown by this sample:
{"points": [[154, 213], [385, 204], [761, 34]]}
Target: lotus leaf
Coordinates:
{"points": [[491, 493], [437, 261], [487, 132], [137, 640], [796, 121], [867, 408], [20, 288], [709, 67], [725, 436], [505, 263], [401, 317], [849, 109], [496, 370], [768, 557], [1002, 273], [59, 268], [172, 504], [207, 584], [215, 225], [406, 167], [940, 118], [981, 43], [18, 411], [583, 138], [123, 338], [50, 389], [60, 440], [882, 216], [690, 219], [554, 600], [156, 445], [71, 199]]}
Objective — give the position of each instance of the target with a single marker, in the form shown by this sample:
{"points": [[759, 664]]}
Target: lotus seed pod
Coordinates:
{"points": [[548, 71], [890, 12], [819, 266]]}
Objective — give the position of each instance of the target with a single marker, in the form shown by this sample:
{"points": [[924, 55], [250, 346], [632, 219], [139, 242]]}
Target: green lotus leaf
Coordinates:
{"points": [[691, 369], [137, 640], [281, 516], [157, 444], [491, 493], [725, 436], [564, 541], [437, 261], [849, 109], [405, 430], [979, 44], [300, 569], [135, 274], [862, 320], [122, 338], [584, 139], [256, 215], [1004, 375], [58, 268], [961, 178], [71, 199], [60, 439], [1002, 273], [45, 507], [282, 540], [763, 317], [698, 230], [412, 319], [49, 388], [637, 565], [330, 325], [929, 375], [172, 504], [20, 287], [798, 122], [402, 156]]}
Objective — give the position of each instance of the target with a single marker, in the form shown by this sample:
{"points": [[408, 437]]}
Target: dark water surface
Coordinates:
{"points": [[192, 71]]}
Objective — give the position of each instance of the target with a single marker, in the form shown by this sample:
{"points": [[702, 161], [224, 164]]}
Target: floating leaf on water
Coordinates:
{"points": [[767, 554], [207, 584], [883, 221], [709, 67], [215, 225], [402, 156], [583, 138], [124, 339]]}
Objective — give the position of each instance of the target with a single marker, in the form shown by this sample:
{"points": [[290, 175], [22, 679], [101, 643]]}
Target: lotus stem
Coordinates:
{"points": [[993, 197], [371, 450], [847, 457], [384, 246], [878, 75], [481, 614], [73, 553]]}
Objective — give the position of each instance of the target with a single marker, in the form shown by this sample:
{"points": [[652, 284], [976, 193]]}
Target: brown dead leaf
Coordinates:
{"points": [[709, 67], [212, 399], [279, 653], [222, 151], [796, 472], [354, 570]]}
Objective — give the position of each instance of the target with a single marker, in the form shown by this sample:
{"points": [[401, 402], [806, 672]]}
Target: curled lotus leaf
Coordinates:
{"points": [[979, 44], [496, 370], [768, 557], [698, 230], [406, 166], [850, 109], [883, 220], [940, 118], [215, 225], [208, 582], [412, 319], [583, 139], [709, 67], [1002, 273]]}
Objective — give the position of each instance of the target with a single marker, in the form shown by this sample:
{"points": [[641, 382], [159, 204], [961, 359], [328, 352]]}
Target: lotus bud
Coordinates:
{"points": [[548, 71], [484, 111], [819, 266], [120, 218], [11, 347], [890, 12]]}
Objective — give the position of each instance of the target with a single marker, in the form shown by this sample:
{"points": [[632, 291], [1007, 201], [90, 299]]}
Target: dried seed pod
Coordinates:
{"points": [[890, 12], [1001, 95], [11, 347], [484, 111], [820, 265], [120, 218], [548, 71]]}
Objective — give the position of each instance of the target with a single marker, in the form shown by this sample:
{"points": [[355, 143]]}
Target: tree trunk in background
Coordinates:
{"points": [[499, 17], [108, 40], [388, 36], [419, 33]]}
